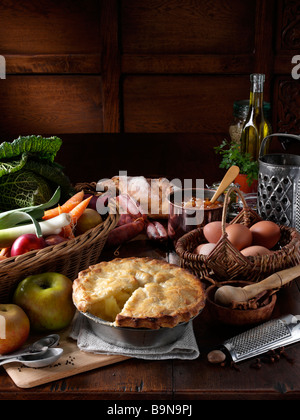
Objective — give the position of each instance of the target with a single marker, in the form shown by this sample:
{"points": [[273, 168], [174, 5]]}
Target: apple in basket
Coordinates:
{"points": [[26, 243], [89, 219], [14, 328], [47, 300]]}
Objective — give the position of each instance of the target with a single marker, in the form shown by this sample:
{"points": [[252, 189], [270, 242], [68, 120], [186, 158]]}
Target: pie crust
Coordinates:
{"points": [[139, 293]]}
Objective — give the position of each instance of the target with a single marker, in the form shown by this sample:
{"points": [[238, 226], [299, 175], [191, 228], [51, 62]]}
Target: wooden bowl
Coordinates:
{"points": [[238, 317]]}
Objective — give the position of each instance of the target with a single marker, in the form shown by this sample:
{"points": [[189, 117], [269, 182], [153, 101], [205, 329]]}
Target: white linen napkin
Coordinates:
{"points": [[184, 348]]}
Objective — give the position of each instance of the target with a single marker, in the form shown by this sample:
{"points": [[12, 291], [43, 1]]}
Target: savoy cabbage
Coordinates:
{"points": [[28, 173]]}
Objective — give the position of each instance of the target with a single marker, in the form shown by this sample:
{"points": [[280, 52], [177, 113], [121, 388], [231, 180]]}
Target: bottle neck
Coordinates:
{"points": [[256, 100], [257, 82], [257, 91]]}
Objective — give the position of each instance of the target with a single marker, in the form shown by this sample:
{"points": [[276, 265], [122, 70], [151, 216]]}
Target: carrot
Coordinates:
{"points": [[66, 207], [67, 231], [75, 214], [79, 209]]}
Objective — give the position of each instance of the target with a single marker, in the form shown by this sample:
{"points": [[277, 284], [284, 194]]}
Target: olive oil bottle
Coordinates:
{"points": [[255, 127]]}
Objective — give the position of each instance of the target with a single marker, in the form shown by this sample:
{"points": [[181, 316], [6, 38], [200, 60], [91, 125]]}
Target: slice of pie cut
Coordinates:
{"points": [[139, 293]]}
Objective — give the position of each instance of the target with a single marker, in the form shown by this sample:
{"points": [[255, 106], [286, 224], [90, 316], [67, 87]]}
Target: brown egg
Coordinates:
{"points": [[204, 249], [255, 251], [239, 235], [213, 231], [265, 233]]}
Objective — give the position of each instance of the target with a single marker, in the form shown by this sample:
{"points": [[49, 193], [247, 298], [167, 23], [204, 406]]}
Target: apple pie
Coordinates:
{"points": [[139, 293]]}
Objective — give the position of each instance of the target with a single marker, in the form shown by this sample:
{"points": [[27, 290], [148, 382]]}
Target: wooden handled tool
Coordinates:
{"points": [[229, 177], [227, 294]]}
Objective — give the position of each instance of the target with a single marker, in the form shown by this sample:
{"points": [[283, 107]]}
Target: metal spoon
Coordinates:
{"points": [[37, 361], [39, 347]]}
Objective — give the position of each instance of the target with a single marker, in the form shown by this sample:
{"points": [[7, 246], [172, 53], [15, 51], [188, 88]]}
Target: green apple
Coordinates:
{"points": [[14, 328], [47, 300]]}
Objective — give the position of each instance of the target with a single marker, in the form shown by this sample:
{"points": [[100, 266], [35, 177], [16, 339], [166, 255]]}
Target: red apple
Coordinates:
{"points": [[26, 243], [14, 328]]}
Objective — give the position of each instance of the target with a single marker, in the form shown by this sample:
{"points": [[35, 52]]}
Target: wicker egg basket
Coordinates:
{"points": [[67, 258], [226, 263]]}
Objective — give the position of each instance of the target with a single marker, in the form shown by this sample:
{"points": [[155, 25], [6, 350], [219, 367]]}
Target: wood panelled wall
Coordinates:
{"points": [[170, 68]]}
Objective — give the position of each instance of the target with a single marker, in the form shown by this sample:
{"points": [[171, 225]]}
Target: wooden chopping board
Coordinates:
{"points": [[72, 362]]}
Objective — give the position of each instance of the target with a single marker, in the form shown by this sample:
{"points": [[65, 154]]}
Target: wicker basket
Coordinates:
{"points": [[67, 258], [226, 263]]}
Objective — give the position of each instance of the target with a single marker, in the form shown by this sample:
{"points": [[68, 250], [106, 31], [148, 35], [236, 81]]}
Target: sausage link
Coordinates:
{"points": [[124, 233], [156, 232], [125, 219]]}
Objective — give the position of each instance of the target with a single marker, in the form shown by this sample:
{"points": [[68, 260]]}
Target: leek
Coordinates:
{"points": [[48, 227], [24, 216], [11, 218]]}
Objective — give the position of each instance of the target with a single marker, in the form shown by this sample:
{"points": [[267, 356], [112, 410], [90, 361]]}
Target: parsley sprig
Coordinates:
{"points": [[231, 155]]}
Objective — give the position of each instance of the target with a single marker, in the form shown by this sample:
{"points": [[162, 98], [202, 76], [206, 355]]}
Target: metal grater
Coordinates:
{"points": [[268, 336], [278, 197]]}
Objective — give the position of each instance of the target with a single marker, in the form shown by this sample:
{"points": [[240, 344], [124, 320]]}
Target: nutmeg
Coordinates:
{"points": [[216, 357]]}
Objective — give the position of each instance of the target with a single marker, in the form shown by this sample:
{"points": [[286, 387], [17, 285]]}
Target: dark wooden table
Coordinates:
{"points": [[176, 380]]}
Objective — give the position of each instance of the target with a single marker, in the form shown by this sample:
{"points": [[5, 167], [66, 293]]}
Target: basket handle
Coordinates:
{"points": [[263, 143], [226, 204]]}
